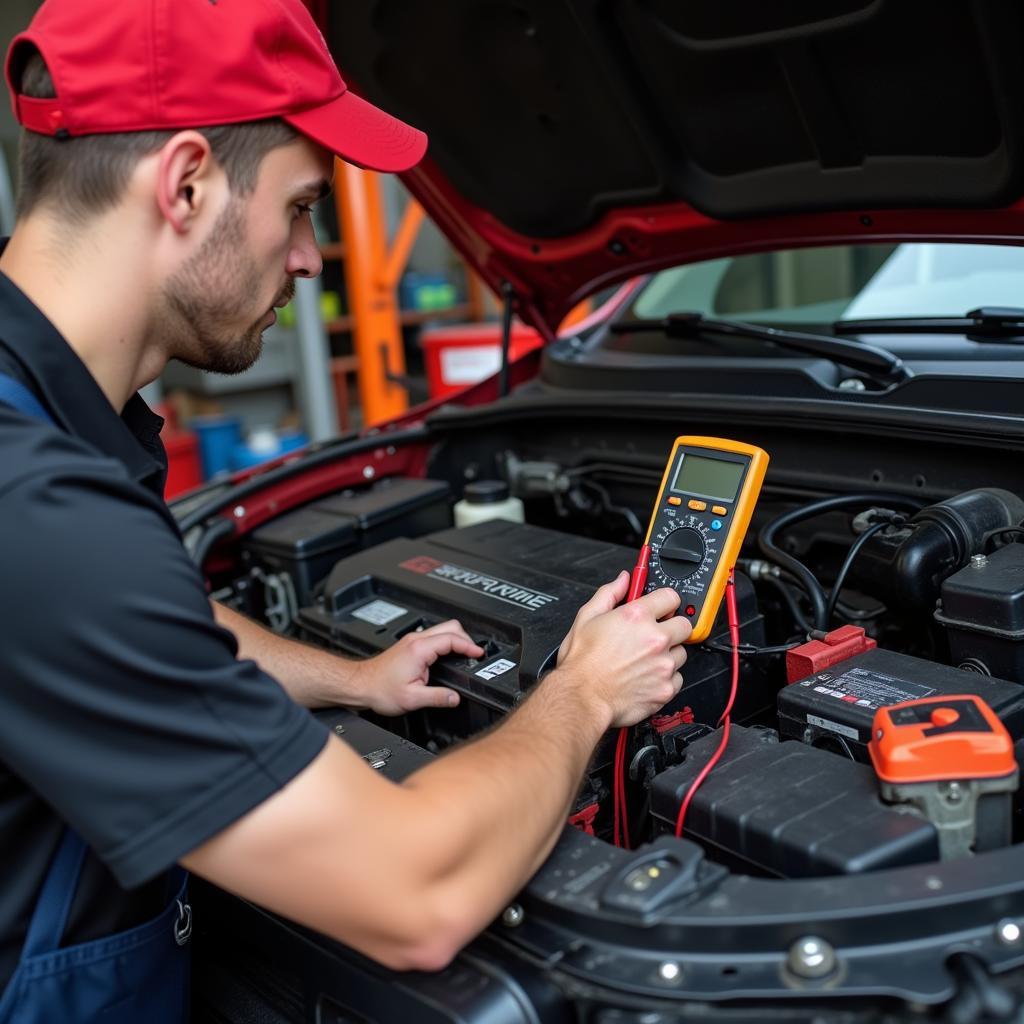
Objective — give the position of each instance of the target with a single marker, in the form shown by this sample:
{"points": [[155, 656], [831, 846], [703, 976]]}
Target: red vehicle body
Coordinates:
{"points": [[715, 160]]}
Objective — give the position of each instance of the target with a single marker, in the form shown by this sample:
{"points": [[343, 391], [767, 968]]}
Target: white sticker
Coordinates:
{"points": [[469, 365], [824, 723], [496, 668], [380, 613]]}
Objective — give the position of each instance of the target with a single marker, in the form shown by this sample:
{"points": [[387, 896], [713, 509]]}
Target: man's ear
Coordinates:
{"points": [[184, 178]]}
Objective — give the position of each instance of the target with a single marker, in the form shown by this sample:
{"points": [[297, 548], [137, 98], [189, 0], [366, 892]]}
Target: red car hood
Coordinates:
{"points": [[575, 143]]}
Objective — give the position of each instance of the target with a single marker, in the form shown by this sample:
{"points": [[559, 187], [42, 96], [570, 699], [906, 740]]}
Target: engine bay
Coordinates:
{"points": [[929, 601]]}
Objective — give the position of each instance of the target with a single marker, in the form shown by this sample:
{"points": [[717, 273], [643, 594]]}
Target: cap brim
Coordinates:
{"points": [[363, 134]]}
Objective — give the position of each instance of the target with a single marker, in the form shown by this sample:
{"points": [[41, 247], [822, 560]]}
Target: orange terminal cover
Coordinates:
{"points": [[940, 739]]}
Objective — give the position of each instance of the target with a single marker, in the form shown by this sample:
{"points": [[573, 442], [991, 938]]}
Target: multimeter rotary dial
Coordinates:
{"points": [[682, 550]]}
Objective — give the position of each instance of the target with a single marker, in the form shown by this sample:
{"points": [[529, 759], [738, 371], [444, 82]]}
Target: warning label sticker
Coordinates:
{"points": [[496, 668], [824, 723], [866, 689], [379, 613]]}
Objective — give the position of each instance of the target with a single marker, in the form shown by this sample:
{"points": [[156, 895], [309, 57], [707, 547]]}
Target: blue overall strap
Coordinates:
{"points": [[54, 904], [16, 395]]}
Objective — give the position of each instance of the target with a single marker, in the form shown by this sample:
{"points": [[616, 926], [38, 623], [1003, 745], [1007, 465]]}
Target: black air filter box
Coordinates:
{"points": [[788, 810], [835, 708]]}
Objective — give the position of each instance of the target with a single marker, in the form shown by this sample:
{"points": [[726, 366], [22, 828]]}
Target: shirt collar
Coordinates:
{"points": [[71, 394]]}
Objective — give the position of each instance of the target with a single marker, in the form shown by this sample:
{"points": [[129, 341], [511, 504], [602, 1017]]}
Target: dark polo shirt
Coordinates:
{"points": [[124, 711]]}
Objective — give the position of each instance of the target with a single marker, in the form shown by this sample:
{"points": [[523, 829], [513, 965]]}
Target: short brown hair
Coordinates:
{"points": [[85, 175]]}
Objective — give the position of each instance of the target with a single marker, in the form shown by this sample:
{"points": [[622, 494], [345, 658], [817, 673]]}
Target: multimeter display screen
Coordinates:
{"points": [[708, 478]]}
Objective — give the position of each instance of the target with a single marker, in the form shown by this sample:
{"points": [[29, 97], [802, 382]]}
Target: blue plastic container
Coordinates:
{"points": [[246, 455], [218, 436]]}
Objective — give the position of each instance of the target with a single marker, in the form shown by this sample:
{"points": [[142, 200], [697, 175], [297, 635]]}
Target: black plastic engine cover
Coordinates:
{"points": [[983, 610], [789, 810], [516, 589]]}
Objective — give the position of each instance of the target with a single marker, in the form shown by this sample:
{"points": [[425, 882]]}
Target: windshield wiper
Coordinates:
{"points": [[869, 359], [987, 323]]}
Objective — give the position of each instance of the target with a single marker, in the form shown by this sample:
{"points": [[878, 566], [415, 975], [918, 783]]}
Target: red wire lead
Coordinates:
{"points": [[620, 833], [734, 636]]}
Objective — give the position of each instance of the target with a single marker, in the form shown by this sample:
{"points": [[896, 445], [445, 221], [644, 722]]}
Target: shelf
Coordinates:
{"points": [[333, 250], [409, 317]]}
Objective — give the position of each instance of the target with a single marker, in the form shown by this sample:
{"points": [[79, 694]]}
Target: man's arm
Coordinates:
{"points": [[390, 684], [407, 874]]}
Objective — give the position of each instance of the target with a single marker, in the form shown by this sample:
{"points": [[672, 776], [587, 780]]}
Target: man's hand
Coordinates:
{"points": [[390, 683], [396, 681], [629, 657]]}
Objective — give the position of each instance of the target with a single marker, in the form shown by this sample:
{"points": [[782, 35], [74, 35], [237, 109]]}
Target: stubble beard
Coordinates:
{"points": [[207, 298]]}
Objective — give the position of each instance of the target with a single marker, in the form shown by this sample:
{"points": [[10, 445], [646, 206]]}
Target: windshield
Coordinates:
{"points": [[822, 285]]}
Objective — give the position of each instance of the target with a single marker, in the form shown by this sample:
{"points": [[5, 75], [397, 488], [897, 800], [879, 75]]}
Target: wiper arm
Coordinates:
{"points": [[868, 359], [995, 323]]}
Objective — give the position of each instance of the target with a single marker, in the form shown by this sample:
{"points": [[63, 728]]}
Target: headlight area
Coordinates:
{"points": [[802, 880]]}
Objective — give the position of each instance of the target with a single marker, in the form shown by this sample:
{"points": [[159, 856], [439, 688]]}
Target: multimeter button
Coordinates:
{"points": [[691, 611], [945, 716], [716, 524], [719, 510], [697, 506], [675, 501]]}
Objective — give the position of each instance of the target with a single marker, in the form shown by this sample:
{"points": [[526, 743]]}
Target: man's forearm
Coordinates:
{"points": [[503, 799], [311, 677]]}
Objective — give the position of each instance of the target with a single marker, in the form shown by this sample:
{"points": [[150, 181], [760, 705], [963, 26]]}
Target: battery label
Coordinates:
{"points": [[496, 668], [379, 613], [863, 688], [824, 723]]}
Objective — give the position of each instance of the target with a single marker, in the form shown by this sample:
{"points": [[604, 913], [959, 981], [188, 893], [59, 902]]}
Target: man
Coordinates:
{"points": [[171, 156]]}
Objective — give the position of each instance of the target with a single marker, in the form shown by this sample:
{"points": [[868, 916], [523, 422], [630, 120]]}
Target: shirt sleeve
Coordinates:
{"points": [[124, 705]]}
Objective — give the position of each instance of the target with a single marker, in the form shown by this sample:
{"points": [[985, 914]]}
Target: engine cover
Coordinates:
{"points": [[516, 589]]}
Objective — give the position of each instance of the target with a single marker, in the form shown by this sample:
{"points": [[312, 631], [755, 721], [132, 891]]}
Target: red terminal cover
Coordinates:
{"points": [[939, 739], [584, 820], [663, 723], [818, 655]]}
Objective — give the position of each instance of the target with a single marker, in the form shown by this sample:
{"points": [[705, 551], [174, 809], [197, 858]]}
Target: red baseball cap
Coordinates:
{"points": [[155, 65]]}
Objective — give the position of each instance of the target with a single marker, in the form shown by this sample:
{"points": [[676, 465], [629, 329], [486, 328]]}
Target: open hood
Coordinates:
{"points": [[574, 143]]}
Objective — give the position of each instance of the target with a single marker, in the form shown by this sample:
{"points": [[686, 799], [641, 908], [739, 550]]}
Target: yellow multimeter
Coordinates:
{"points": [[705, 502]]}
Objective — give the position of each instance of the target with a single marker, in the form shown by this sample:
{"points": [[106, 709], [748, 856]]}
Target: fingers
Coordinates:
{"points": [[605, 598], [678, 656], [427, 647], [658, 603], [430, 697], [677, 629], [455, 628]]}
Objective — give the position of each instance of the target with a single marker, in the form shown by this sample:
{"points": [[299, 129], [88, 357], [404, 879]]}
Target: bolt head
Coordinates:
{"points": [[978, 561], [1009, 932], [513, 916], [238, 511], [811, 957], [369, 472], [668, 971]]}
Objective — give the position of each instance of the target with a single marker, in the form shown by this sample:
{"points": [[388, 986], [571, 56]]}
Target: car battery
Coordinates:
{"points": [[307, 542], [953, 760], [835, 708], [788, 810]]}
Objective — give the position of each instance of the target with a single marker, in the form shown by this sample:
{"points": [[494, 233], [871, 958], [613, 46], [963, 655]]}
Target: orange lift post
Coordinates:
{"points": [[372, 273]]}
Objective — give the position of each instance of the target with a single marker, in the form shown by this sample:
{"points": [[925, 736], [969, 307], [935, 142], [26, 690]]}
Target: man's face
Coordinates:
{"points": [[217, 306]]}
